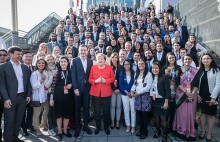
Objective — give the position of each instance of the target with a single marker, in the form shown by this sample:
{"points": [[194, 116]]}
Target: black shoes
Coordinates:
{"points": [[202, 137], [138, 134], [164, 138], [157, 134], [97, 131], [32, 129], [59, 137], [107, 132], [142, 136], [87, 130], [24, 132], [76, 134], [17, 140], [68, 135]]}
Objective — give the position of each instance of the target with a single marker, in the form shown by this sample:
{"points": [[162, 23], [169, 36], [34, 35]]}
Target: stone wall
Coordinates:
{"points": [[202, 18]]}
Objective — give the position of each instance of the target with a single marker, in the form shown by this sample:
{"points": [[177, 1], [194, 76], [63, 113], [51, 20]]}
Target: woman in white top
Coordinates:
{"points": [[41, 80], [208, 78], [140, 90]]}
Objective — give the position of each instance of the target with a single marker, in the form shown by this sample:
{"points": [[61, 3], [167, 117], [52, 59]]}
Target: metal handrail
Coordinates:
{"points": [[32, 37], [33, 30]]}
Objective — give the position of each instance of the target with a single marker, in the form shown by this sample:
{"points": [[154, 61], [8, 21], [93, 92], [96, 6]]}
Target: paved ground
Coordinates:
{"points": [[115, 136]]}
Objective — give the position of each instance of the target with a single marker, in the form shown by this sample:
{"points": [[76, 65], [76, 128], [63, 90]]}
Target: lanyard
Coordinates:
{"points": [[187, 72], [65, 76]]}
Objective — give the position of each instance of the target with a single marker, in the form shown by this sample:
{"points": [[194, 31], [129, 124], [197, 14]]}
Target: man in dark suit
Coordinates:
{"points": [[126, 8], [28, 114], [160, 55], [130, 54], [95, 33], [188, 47], [101, 48], [3, 59], [184, 35], [114, 8], [16, 91], [87, 38], [80, 75], [74, 49]]}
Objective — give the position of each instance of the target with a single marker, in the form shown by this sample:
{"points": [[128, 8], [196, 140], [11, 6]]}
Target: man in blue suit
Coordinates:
{"points": [[80, 75], [128, 48]]}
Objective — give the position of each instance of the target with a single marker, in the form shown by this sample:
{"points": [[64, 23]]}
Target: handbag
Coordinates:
{"points": [[35, 104]]}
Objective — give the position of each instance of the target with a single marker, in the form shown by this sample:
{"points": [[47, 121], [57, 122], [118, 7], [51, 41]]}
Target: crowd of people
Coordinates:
{"points": [[124, 65]]}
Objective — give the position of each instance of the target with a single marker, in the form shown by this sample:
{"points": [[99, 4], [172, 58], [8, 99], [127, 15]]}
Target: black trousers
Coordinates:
{"points": [[27, 118], [144, 119], [13, 118], [1, 112], [51, 118], [82, 100], [102, 106]]}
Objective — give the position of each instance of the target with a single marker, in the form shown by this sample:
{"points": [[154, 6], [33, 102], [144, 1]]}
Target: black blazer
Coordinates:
{"points": [[80, 79], [114, 9], [163, 59], [9, 82], [163, 87]]}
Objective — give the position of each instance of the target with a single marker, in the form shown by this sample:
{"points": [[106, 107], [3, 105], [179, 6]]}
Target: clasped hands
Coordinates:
{"points": [[100, 80]]}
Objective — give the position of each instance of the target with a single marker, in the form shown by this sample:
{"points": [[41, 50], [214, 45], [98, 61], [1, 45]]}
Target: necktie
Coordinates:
{"points": [[177, 56], [30, 69], [148, 65]]}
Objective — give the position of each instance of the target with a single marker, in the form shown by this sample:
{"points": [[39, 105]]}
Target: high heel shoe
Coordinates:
{"points": [[117, 126], [202, 137]]}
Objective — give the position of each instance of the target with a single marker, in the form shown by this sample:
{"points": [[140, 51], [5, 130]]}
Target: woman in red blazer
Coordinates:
{"points": [[101, 77]]}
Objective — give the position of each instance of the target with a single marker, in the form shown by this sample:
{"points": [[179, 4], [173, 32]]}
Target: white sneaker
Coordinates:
{"points": [[51, 132]]}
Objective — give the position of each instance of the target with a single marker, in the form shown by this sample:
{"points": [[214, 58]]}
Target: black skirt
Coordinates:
{"points": [[157, 107], [204, 107]]}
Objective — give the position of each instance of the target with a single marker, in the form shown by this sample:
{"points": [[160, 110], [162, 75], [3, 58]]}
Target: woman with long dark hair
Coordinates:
{"points": [[121, 42], [125, 34], [141, 92], [41, 79], [62, 98], [208, 77], [170, 70], [160, 92], [115, 108], [126, 80]]}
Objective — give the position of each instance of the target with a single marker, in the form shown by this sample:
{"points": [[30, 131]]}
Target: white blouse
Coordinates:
{"points": [[139, 87], [154, 90]]}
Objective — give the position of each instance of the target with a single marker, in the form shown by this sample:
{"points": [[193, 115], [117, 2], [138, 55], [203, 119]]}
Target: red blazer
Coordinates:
{"points": [[101, 89]]}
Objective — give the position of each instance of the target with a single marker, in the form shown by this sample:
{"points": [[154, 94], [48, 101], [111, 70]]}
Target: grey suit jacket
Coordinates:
{"points": [[51, 46], [9, 82]]}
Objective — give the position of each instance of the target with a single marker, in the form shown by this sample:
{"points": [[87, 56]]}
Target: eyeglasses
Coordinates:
{"points": [[4, 55]]}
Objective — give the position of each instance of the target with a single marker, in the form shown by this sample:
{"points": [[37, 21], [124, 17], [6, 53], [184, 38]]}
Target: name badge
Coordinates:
{"points": [[65, 89], [188, 87]]}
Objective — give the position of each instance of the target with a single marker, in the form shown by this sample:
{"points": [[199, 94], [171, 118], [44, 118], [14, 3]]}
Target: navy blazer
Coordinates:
{"points": [[130, 56], [80, 79], [124, 85]]}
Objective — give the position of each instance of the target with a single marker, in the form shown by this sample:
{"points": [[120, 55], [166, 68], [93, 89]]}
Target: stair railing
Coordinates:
{"points": [[31, 38]]}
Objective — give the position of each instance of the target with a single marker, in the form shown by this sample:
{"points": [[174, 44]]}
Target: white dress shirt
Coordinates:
{"points": [[84, 63], [19, 76]]}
